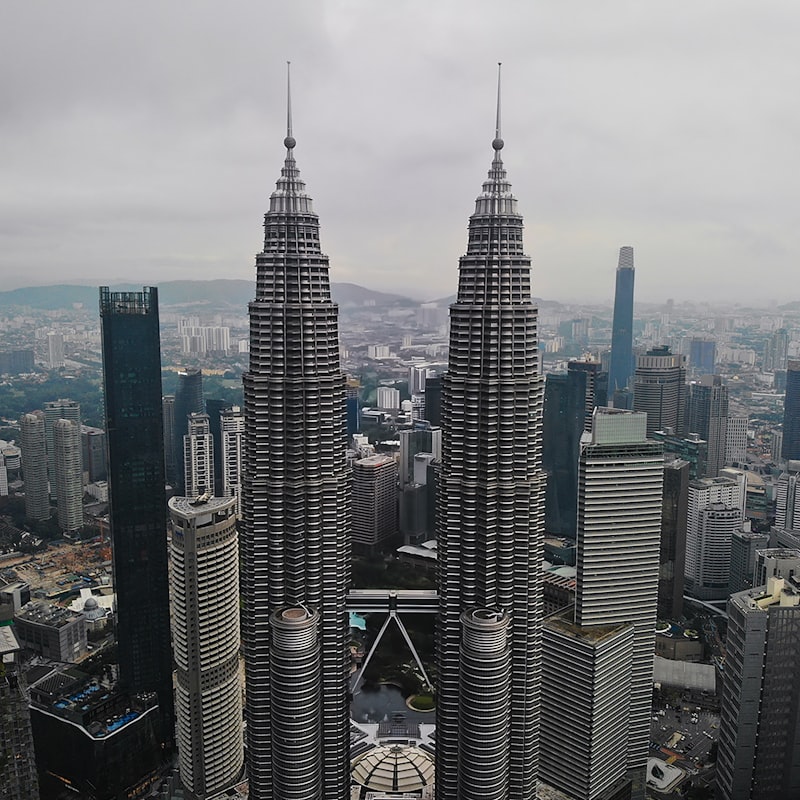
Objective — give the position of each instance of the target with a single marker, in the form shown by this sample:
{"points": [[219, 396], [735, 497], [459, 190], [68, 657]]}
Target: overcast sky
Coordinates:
{"points": [[140, 140]]}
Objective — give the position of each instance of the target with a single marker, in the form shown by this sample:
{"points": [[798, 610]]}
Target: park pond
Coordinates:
{"points": [[378, 703]]}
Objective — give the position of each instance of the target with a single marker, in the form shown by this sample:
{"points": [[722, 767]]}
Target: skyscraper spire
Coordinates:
{"points": [[490, 514], [497, 144], [289, 142]]}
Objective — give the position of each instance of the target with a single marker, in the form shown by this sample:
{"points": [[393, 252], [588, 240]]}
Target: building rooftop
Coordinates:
{"points": [[562, 621], [205, 504], [46, 614]]}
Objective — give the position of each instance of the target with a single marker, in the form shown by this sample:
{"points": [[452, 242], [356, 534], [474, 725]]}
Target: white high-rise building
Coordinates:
{"points": [[604, 648], [715, 513], [34, 464], [55, 410], [417, 373], [232, 427], [68, 474], [204, 589], [787, 499], [55, 350], [198, 456], [388, 398], [736, 440]]}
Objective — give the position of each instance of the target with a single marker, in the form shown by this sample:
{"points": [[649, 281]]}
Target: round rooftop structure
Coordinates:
{"points": [[394, 768]]}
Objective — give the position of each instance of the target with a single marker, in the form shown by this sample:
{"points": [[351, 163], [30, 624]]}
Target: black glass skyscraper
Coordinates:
{"points": [[188, 400], [622, 327], [134, 428], [790, 449]]}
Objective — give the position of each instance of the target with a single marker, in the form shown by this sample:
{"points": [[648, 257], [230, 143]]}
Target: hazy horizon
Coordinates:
{"points": [[141, 138]]}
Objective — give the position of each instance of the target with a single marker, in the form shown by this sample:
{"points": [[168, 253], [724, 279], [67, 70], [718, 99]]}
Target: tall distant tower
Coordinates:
{"points": [[659, 389], [188, 400], [707, 416], [232, 434], [295, 533], [55, 410], [68, 474], [34, 462], [790, 449], [490, 514], [134, 427], [621, 367], [198, 456]]}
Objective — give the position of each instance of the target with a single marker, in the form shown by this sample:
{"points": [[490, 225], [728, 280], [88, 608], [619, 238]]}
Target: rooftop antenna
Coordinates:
{"points": [[497, 144], [289, 141]]}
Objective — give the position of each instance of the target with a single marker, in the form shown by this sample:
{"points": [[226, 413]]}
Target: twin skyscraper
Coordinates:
{"points": [[295, 514]]}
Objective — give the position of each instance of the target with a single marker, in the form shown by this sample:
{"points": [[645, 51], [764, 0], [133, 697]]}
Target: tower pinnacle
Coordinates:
{"points": [[289, 142], [498, 143]]}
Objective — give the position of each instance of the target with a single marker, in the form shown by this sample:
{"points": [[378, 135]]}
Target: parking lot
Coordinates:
{"points": [[683, 736]]}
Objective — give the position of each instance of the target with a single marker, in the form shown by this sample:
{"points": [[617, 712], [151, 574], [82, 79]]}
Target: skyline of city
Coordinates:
{"points": [[303, 471]]}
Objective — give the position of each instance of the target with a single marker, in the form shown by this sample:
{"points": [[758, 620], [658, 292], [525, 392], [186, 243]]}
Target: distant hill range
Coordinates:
{"points": [[216, 294]]}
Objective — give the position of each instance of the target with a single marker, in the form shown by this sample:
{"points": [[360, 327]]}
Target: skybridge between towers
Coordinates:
{"points": [[399, 601], [393, 603]]}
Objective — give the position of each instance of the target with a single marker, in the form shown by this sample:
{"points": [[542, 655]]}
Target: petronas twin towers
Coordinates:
{"points": [[295, 529]]}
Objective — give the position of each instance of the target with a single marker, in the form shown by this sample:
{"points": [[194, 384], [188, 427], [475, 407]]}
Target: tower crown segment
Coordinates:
{"points": [[496, 197], [290, 195]]}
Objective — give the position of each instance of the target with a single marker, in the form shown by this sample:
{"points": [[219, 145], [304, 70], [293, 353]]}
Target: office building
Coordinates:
{"points": [[295, 528], [672, 557], [93, 740], [490, 511], [55, 350], [707, 416], [745, 546], [417, 375], [68, 474], [374, 504], [596, 386], [188, 400], [759, 757], [388, 399], [215, 408], [702, 356], [433, 399], [198, 457], [17, 764], [776, 351], [34, 465], [168, 413], [562, 428], [787, 498], [93, 453], [659, 390], [16, 362], [50, 631], [715, 513], [790, 449], [775, 562], [55, 410], [689, 448], [608, 638], [621, 367], [422, 438], [232, 434], [204, 584], [736, 440], [134, 427]]}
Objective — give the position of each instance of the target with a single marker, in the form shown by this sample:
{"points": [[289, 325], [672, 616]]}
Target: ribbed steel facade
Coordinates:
{"points": [[491, 497], [295, 498]]}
